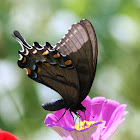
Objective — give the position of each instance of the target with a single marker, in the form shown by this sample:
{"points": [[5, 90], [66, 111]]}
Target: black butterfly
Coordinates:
{"points": [[68, 68]]}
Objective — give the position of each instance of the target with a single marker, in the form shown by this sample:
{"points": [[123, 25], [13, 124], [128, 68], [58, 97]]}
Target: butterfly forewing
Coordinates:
{"points": [[92, 54], [80, 44]]}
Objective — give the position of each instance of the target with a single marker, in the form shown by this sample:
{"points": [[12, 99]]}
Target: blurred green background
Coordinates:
{"points": [[117, 25]]}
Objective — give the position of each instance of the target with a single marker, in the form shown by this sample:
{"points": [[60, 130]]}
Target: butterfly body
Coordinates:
{"points": [[68, 68]]}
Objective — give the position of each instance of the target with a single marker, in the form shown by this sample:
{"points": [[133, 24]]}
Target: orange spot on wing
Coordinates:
{"points": [[28, 71], [57, 55], [24, 60], [38, 70], [35, 51], [47, 64], [45, 53], [68, 62]]}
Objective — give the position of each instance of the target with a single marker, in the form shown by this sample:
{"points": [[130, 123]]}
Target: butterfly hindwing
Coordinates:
{"points": [[60, 79], [47, 66]]}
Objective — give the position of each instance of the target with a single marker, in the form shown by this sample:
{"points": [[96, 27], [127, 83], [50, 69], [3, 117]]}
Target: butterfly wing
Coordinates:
{"points": [[80, 44], [69, 67], [46, 65]]}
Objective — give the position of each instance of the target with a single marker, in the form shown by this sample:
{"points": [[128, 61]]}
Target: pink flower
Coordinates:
{"points": [[99, 122], [4, 135]]}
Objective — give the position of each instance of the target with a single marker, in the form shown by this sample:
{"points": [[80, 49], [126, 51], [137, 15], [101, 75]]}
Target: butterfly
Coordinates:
{"points": [[68, 67]]}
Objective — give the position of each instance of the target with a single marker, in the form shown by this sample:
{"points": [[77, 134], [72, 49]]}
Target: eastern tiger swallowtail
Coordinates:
{"points": [[68, 67]]}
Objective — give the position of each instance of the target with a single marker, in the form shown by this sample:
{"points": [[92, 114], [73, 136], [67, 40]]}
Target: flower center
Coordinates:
{"points": [[83, 125]]}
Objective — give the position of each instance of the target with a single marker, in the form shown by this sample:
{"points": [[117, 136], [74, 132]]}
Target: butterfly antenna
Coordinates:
{"points": [[106, 101], [79, 115], [100, 103], [85, 115], [79, 122], [89, 113], [97, 103]]}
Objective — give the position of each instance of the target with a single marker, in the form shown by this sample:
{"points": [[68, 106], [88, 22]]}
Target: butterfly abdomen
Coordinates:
{"points": [[54, 105]]}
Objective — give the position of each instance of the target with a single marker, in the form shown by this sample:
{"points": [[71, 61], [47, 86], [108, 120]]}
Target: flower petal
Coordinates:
{"points": [[86, 115], [72, 134], [112, 130], [108, 109], [114, 122], [62, 132], [67, 120], [54, 119], [96, 136], [50, 120], [93, 108], [96, 105], [86, 135]]}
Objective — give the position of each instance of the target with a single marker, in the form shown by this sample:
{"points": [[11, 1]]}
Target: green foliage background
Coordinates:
{"points": [[117, 25]]}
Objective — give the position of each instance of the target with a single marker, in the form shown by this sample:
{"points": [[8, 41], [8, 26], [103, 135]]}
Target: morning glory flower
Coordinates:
{"points": [[99, 122]]}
